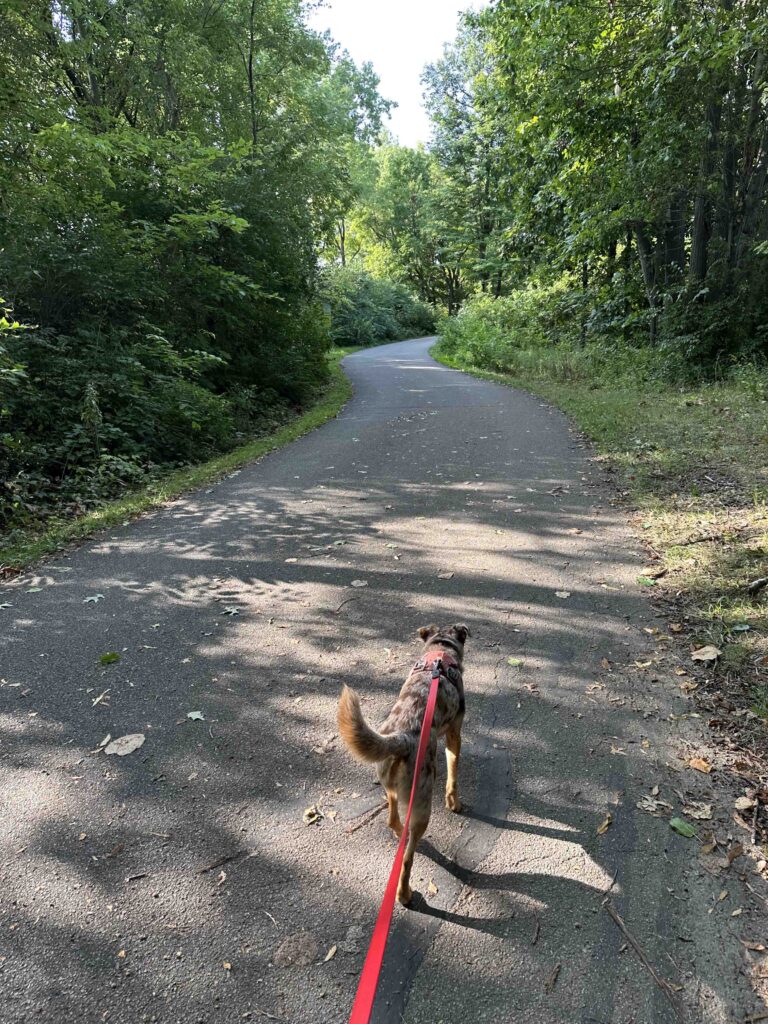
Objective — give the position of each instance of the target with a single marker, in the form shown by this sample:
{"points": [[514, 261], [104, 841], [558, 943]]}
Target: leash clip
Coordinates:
{"points": [[437, 668]]}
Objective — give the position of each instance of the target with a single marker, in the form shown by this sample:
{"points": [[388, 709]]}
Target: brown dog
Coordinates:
{"points": [[394, 746]]}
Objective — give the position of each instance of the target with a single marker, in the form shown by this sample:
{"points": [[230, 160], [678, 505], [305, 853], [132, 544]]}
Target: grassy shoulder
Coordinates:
{"points": [[693, 465], [27, 548]]}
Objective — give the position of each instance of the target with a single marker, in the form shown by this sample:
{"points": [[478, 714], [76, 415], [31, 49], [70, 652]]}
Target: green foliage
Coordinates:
{"points": [[168, 172], [365, 309], [620, 148]]}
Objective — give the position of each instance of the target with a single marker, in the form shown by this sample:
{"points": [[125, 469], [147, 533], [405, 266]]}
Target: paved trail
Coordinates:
{"points": [[180, 883]]}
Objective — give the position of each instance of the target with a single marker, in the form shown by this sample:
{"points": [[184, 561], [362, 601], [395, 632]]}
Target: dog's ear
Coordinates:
{"points": [[427, 631], [462, 632]]}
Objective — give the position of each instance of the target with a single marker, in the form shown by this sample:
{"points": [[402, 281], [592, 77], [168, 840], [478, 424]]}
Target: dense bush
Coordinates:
{"points": [[365, 309], [560, 332]]}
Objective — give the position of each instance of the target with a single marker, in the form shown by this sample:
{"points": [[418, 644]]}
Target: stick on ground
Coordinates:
{"points": [[665, 986]]}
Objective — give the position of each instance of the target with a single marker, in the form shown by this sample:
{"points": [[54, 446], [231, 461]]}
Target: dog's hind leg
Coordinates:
{"points": [[417, 829], [452, 752], [393, 819]]}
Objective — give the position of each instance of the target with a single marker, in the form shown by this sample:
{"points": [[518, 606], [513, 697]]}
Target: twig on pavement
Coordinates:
{"points": [[665, 986]]}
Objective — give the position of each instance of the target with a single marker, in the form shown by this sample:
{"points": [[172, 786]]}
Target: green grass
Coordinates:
{"points": [[27, 548], [692, 465]]}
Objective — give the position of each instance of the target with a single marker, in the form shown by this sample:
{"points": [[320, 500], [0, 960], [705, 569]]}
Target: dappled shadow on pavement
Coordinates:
{"points": [[181, 882]]}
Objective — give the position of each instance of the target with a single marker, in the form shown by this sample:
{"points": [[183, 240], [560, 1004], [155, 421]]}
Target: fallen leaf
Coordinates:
{"points": [[6, 604], [737, 913], [109, 658], [618, 750], [700, 765], [445, 575], [606, 824], [741, 627], [227, 965], [34, 590], [195, 716], [723, 895], [676, 627], [291, 561], [359, 583], [515, 662], [709, 848], [744, 803], [735, 852], [125, 744], [312, 815], [231, 610], [432, 889], [655, 791], [708, 653], [122, 954], [551, 981], [605, 664], [93, 599], [222, 878], [699, 811], [683, 828], [562, 594], [651, 806], [330, 954], [646, 581], [756, 947]]}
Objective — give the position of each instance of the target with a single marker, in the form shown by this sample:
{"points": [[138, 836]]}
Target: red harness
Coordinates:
{"points": [[433, 654]]}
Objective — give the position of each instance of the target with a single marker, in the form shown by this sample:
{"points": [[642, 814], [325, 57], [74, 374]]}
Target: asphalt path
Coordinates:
{"points": [[186, 882]]}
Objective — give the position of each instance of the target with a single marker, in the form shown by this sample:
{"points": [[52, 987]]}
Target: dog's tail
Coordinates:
{"points": [[364, 742]]}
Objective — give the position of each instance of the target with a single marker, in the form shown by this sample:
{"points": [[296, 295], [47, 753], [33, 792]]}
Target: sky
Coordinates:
{"points": [[399, 37]]}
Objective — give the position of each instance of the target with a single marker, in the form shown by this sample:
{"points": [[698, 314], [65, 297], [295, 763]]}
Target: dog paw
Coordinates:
{"points": [[453, 803], [405, 896]]}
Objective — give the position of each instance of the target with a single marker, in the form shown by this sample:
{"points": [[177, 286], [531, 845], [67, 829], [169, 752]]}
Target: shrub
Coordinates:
{"points": [[364, 309]]}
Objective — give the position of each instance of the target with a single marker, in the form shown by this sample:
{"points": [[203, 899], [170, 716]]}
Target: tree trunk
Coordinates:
{"points": [[702, 206], [648, 269]]}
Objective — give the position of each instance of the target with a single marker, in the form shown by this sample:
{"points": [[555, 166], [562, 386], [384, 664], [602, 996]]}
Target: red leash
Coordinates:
{"points": [[369, 979]]}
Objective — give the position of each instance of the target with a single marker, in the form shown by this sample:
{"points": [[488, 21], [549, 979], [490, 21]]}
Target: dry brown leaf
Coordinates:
{"points": [[744, 803], [227, 965], [125, 744], [707, 653], [676, 627], [606, 824], [432, 889], [330, 954], [312, 815], [700, 764], [651, 806], [735, 852], [698, 810]]}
